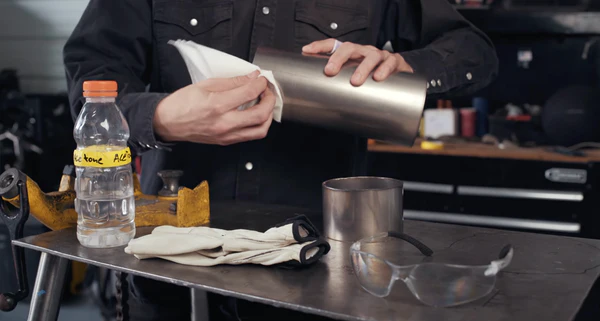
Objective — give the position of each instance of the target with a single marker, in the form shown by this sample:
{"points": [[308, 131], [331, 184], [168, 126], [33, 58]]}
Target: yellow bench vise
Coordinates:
{"points": [[174, 205]]}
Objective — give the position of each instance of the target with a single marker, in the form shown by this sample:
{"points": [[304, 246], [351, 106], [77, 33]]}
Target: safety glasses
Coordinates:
{"points": [[434, 284]]}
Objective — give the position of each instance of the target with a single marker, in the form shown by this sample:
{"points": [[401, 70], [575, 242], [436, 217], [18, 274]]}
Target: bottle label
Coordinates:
{"points": [[101, 156]]}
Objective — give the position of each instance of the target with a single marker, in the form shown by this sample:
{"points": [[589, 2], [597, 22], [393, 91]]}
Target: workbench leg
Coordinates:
{"points": [[199, 305], [47, 292]]}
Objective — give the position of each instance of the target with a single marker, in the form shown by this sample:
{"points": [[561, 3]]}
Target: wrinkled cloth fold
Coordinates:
{"points": [[295, 239]]}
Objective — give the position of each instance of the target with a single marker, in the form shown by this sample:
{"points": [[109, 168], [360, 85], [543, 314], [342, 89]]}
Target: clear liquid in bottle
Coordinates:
{"points": [[105, 201]]}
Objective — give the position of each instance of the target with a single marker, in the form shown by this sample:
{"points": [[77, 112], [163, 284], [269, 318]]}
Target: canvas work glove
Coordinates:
{"points": [[172, 244], [295, 240], [298, 254]]}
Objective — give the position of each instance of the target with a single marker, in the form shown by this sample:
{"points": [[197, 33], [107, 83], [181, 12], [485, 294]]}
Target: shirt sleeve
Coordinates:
{"points": [[113, 41], [456, 58]]}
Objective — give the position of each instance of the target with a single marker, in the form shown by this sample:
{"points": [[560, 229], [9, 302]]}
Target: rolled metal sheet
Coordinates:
{"points": [[363, 206], [389, 110]]}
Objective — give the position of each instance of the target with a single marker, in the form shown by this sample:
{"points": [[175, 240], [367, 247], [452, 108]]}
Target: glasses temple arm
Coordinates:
{"points": [[504, 251], [503, 261], [505, 256], [425, 250]]}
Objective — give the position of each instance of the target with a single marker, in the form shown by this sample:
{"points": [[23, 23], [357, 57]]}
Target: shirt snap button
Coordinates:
{"points": [[249, 166], [266, 10], [333, 25], [469, 76], [433, 83], [193, 22]]}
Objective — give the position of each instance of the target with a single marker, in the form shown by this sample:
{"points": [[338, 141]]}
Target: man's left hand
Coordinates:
{"points": [[382, 62]]}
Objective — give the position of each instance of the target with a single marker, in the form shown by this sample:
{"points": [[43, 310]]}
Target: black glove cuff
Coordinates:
{"points": [[305, 261], [302, 228], [323, 248]]}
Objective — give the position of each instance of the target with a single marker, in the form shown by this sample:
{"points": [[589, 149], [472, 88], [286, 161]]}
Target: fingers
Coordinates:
{"points": [[347, 51], [387, 68], [252, 123], [382, 62], [338, 59], [225, 101], [320, 46], [247, 134], [224, 84], [255, 115], [344, 53], [371, 61], [243, 125], [403, 66]]}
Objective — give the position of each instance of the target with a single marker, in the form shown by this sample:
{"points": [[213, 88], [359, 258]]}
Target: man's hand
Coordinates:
{"points": [[206, 112], [387, 63]]}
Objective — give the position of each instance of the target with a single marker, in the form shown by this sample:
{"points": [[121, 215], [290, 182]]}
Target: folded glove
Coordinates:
{"points": [[294, 254], [295, 230], [295, 239], [172, 244]]}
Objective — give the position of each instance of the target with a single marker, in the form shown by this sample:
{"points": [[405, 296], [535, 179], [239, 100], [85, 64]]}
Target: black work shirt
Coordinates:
{"points": [[127, 41]]}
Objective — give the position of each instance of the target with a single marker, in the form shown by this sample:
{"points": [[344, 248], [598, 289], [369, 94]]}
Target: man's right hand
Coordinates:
{"points": [[206, 112]]}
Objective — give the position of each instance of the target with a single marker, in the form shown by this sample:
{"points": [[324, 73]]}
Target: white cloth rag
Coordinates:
{"points": [[203, 63]]}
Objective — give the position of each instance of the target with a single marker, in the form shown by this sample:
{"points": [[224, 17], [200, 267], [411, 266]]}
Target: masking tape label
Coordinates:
{"points": [[98, 156]]}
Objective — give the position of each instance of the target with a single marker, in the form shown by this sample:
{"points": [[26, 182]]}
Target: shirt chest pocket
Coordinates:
{"points": [[205, 22], [345, 20]]}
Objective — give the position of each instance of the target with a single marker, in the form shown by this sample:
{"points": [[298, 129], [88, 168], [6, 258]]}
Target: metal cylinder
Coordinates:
{"points": [[47, 291], [199, 305], [358, 207], [389, 110]]}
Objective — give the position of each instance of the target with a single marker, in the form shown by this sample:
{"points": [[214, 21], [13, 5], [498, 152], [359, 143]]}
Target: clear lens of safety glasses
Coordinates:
{"points": [[433, 283]]}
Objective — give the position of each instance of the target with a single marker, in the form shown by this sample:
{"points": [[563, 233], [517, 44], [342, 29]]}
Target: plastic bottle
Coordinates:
{"points": [[104, 184]]}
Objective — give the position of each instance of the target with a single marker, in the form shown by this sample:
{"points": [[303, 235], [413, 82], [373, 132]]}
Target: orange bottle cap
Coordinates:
{"points": [[100, 88]]}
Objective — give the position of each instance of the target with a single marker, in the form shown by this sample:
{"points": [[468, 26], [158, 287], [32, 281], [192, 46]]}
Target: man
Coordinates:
{"points": [[243, 154]]}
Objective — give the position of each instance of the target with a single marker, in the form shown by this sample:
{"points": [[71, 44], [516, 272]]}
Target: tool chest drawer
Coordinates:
{"points": [[519, 194]]}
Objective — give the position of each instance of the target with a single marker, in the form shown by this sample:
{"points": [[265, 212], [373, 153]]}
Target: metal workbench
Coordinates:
{"points": [[548, 279]]}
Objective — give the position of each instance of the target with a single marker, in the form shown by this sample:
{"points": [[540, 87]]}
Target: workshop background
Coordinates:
{"points": [[528, 141]]}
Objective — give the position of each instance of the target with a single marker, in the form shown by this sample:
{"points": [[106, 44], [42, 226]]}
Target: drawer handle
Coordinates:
{"points": [[520, 193], [491, 221], [428, 187]]}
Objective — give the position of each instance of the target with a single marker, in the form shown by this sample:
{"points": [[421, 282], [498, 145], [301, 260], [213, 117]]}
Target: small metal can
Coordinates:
{"points": [[358, 207]]}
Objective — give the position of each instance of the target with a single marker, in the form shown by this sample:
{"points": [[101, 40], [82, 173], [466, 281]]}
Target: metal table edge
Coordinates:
{"points": [[252, 298]]}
